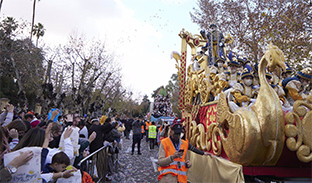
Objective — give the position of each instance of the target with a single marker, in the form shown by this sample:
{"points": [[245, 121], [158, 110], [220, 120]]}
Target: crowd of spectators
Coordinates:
{"points": [[64, 141]]}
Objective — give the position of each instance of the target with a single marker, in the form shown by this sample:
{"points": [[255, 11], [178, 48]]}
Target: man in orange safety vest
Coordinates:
{"points": [[172, 160]]}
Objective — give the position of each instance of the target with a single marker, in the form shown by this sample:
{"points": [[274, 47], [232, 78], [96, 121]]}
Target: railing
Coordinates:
{"points": [[96, 163], [90, 155]]}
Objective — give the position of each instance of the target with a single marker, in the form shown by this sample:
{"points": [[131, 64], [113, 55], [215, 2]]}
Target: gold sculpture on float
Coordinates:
{"points": [[256, 133], [250, 136], [298, 129]]}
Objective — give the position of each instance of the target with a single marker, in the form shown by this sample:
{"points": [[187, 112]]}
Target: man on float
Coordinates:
{"points": [[215, 43], [244, 93], [279, 91], [244, 63], [287, 73], [229, 78], [219, 67], [296, 87], [256, 81], [233, 76], [217, 73]]}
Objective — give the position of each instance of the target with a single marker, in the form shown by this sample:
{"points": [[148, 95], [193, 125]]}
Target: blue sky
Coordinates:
{"points": [[142, 33]]}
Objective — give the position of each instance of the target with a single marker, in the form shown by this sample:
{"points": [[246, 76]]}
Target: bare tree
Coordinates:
{"points": [[254, 23], [90, 69]]}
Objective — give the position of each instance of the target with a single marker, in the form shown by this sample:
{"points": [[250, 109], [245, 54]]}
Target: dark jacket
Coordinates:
{"points": [[113, 135], [128, 124], [136, 127], [101, 134], [55, 142]]}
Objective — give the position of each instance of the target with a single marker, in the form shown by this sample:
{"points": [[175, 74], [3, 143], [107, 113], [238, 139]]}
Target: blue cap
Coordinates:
{"points": [[212, 25], [305, 73], [246, 73], [232, 62]]}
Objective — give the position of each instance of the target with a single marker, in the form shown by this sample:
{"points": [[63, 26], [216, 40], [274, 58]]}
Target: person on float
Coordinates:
{"points": [[244, 63], [287, 73], [229, 78], [277, 76], [217, 73], [241, 62], [296, 87], [215, 42], [219, 67], [233, 76], [255, 81], [243, 93], [279, 91]]}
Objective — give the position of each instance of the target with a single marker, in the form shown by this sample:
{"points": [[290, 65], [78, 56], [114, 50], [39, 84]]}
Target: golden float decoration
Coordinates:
{"points": [[253, 136], [298, 129]]}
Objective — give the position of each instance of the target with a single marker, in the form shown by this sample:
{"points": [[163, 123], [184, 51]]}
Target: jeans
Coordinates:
{"points": [[152, 143], [136, 140]]}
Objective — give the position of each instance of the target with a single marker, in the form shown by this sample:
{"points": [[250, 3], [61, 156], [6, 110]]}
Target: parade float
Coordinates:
{"points": [[259, 140], [161, 108]]}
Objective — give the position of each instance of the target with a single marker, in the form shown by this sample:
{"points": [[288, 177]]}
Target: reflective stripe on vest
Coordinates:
{"points": [[165, 171], [173, 168], [152, 132], [176, 163]]}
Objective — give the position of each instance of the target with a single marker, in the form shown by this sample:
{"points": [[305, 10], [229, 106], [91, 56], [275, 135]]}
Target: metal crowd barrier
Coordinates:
{"points": [[95, 164]]}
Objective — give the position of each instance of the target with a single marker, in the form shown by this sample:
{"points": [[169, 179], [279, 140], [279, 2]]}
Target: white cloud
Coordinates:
{"points": [[143, 42]]}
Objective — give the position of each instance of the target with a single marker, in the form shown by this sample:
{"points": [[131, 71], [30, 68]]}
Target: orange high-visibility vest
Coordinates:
{"points": [[147, 124], [174, 168], [142, 129]]}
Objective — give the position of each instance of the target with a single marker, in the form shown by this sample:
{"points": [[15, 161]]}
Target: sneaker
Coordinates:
{"points": [[132, 153], [139, 153]]}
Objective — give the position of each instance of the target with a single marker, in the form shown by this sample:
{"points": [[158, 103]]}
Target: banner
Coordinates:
{"points": [[74, 138], [164, 118], [30, 172]]}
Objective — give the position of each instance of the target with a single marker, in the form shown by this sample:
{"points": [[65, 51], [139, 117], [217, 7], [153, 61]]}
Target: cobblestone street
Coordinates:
{"points": [[136, 168]]}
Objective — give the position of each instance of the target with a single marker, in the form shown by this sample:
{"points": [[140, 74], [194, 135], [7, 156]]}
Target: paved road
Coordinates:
{"points": [[136, 168]]}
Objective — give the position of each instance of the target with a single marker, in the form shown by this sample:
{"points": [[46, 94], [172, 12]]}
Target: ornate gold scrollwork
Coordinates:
{"points": [[192, 132], [205, 140], [302, 129], [201, 137], [216, 142]]}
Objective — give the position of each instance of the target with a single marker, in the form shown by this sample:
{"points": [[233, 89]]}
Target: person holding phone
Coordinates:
{"points": [[172, 160]]}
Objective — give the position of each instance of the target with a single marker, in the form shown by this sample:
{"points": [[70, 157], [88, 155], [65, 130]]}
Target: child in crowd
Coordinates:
{"points": [[58, 167]]}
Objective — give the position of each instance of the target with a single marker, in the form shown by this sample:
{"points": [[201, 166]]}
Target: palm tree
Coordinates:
{"points": [[38, 31], [33, 19], [1, 5]]}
